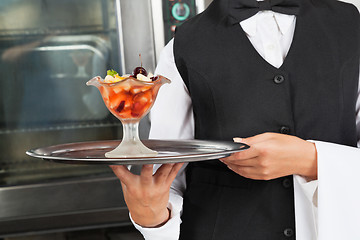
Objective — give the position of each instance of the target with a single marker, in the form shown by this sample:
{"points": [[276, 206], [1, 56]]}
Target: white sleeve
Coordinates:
{"points": [[328, 208], [171, 118], [339, 192], [172, 114]]}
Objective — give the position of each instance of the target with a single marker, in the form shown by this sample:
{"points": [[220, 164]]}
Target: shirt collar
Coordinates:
{"points": [[283, 21]]}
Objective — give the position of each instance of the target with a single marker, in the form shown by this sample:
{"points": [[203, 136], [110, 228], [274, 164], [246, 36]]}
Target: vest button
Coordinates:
{"points": [[286, 183], [284, 130], [288, 232], [279, 79]]}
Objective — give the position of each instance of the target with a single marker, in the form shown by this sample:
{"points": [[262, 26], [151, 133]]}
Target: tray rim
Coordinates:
{"points": [[235, 147]]}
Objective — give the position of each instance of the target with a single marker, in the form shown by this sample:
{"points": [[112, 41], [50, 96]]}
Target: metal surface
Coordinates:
{"points": [[120, 36], [169, 151], [46, 59], [158, 27], [137, 34], [37, 60], [71, 204]]}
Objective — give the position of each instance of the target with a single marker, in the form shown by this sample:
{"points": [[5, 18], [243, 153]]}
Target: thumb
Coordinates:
{"points": [[237, 139], [246, 141], [254, 139]]}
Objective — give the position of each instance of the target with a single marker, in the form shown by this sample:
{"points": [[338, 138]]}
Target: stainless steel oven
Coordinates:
{"points": [[48, 50]]}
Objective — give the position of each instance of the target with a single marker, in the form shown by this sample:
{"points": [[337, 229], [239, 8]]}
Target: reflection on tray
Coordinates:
{"points": [[170, 151]]}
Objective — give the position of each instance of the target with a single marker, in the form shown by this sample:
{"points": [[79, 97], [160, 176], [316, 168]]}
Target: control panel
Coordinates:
{"points": [[175, 12]]}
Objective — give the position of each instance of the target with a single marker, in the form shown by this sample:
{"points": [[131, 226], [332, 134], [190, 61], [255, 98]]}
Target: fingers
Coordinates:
{"points": [[174, 171], [164, 175], [254, 139], [243, 171], [163, 172], [237, 140], [249, 153], [146, 175], [252, 152], [251, 162], [257, 147], [167, 172], [124, 175]]}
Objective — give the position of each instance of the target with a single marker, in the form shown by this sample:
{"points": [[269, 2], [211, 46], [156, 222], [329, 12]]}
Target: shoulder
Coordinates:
{"points": [[337, 16], [203, 24], [336, 7], [190, 36], [346, 6]]}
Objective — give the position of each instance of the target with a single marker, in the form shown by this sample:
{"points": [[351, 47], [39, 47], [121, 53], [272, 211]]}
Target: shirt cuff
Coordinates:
{"points": [[309, 188], [171, 229]]}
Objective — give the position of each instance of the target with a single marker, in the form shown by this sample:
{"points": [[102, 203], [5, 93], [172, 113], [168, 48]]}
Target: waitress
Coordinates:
{"points": [[275, 75]]}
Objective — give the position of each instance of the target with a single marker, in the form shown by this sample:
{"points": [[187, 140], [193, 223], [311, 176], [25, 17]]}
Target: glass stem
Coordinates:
{"points": [[130, 131]]}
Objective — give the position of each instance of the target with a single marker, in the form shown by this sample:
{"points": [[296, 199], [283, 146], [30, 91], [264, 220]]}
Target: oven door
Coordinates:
{"points": [[49, 49]]}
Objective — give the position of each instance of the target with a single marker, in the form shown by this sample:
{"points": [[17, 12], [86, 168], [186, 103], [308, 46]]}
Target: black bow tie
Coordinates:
{"points": [[240, 10]]}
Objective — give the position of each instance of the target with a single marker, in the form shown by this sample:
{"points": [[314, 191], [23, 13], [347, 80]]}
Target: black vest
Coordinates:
{"points": [[235, 92]]}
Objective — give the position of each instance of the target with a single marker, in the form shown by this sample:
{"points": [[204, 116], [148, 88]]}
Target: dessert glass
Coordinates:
{"points": [[129, 100]]}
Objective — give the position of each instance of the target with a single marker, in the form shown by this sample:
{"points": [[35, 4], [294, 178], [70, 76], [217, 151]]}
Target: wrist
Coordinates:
{"points": [[165, 221], [153, 221], [309, 163]]}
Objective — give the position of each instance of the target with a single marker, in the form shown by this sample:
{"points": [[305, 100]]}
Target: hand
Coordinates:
{"points": [[273, 155], [147, 195]]}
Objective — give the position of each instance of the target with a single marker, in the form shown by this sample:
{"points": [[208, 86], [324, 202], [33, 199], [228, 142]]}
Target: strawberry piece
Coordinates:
{"points": [[141, 103]]}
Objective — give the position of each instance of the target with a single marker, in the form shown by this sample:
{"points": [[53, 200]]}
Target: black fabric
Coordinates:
{"points": [[235, 92], [240, 10], [223, 205]]}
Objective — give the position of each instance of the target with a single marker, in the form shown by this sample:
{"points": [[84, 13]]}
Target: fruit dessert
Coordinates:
{"points": [[129, 96]]}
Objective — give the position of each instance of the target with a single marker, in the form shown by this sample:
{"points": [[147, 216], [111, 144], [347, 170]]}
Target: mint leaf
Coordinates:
{"points": [[111, 72]]}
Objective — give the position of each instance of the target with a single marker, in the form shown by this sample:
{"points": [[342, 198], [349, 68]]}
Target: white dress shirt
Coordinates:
{"points": [[334, 197]]}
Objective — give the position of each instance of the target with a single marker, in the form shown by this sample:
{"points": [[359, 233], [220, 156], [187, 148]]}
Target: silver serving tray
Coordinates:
{"points": [[169, 151]]}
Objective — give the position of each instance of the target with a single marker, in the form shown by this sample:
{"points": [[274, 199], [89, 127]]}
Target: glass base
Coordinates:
{"points": [[131, 149]]}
